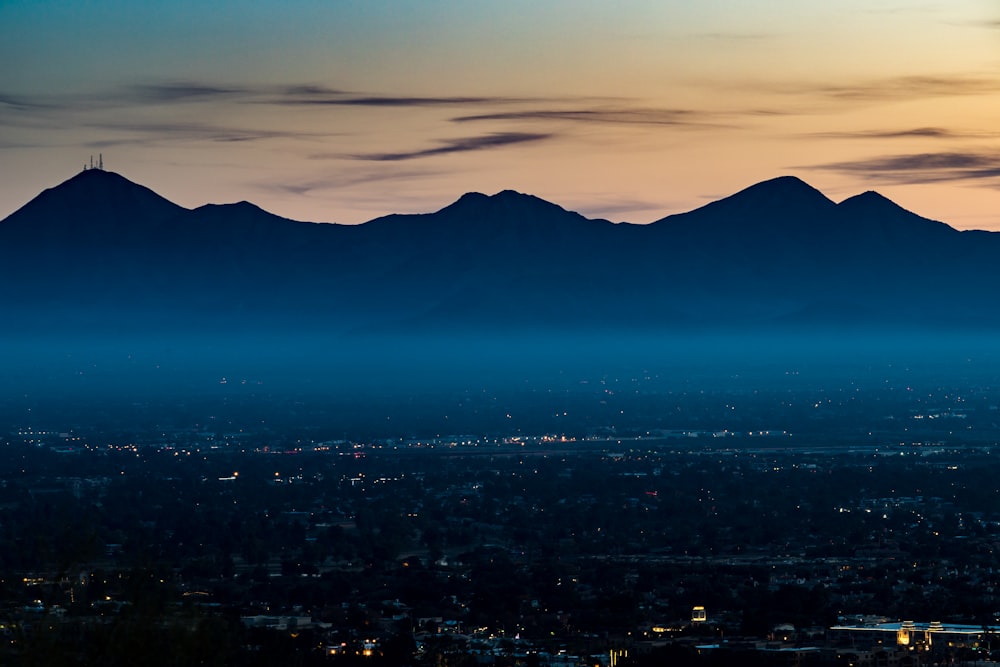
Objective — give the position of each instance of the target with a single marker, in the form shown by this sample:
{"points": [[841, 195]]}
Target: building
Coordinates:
{"points": [[916, 636]]}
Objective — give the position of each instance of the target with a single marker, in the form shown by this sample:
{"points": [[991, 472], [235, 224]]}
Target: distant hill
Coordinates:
{"points": [[99, 253]]}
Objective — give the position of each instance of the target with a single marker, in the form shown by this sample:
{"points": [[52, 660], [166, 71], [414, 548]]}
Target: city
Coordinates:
{"points": [[806, 530]]}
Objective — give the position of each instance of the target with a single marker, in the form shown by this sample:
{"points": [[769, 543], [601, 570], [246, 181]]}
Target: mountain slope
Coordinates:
{"points": [[784, 251], [101, 252], [95, 207]]}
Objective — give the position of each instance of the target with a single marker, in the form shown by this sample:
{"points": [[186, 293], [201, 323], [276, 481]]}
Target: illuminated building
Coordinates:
{"points": [[915, 636]]}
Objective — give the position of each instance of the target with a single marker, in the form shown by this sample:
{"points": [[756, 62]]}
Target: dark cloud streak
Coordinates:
{"points": [[922, 167], [155, 94], [20, 103], [389, 101], [908, 87], [346, 179], [178, 91], [614, 206], [917, 132], [153, 132], [671, 117], [467, 144], [185, 92], [310, 89]]}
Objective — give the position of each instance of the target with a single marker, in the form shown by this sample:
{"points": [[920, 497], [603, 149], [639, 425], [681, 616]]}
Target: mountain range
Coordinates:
{"points": [[99, 253]]}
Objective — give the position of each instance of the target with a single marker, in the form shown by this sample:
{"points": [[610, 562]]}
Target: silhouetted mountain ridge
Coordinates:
{"points": [[101, 251]]}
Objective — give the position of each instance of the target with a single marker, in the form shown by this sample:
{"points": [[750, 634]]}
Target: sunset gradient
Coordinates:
{"points": [[344, 111]]}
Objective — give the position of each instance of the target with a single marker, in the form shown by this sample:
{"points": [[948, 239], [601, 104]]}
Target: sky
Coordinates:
{"points": [[343, 110]]}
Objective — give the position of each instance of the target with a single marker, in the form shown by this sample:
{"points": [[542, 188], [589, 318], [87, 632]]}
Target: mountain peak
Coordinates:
{"points": [[776, 206], [872, 209], [777, 196], [504, 196], [243, 206], [870, 199], [471, 198], [477, 217], [100, 188], [504, 203], [785, 181], [511, 195], [871, 203], [103, 202], [96, 184], [783, 189]]}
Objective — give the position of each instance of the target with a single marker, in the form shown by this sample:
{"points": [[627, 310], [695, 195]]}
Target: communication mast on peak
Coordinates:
{"points": [[99, 165]]}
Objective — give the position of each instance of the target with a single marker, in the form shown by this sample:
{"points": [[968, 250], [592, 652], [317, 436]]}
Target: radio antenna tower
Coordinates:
{"points": [[99, 165]]}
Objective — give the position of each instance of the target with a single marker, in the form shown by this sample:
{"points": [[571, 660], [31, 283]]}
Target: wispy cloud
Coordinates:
{"points": [[160, 95], [151, 132], [311, 89], [922, 167], [916, 132], [579, 109], [621, 116], [176, 91], [903, 87], [190, 92], [614, 205], [465, 144], [17, 103], [390, 100], [990, 24], [343, 179]]}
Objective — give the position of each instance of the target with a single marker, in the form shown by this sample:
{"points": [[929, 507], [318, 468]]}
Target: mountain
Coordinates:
{"points": [[92, 203], [783, 250], [100, 253]]}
